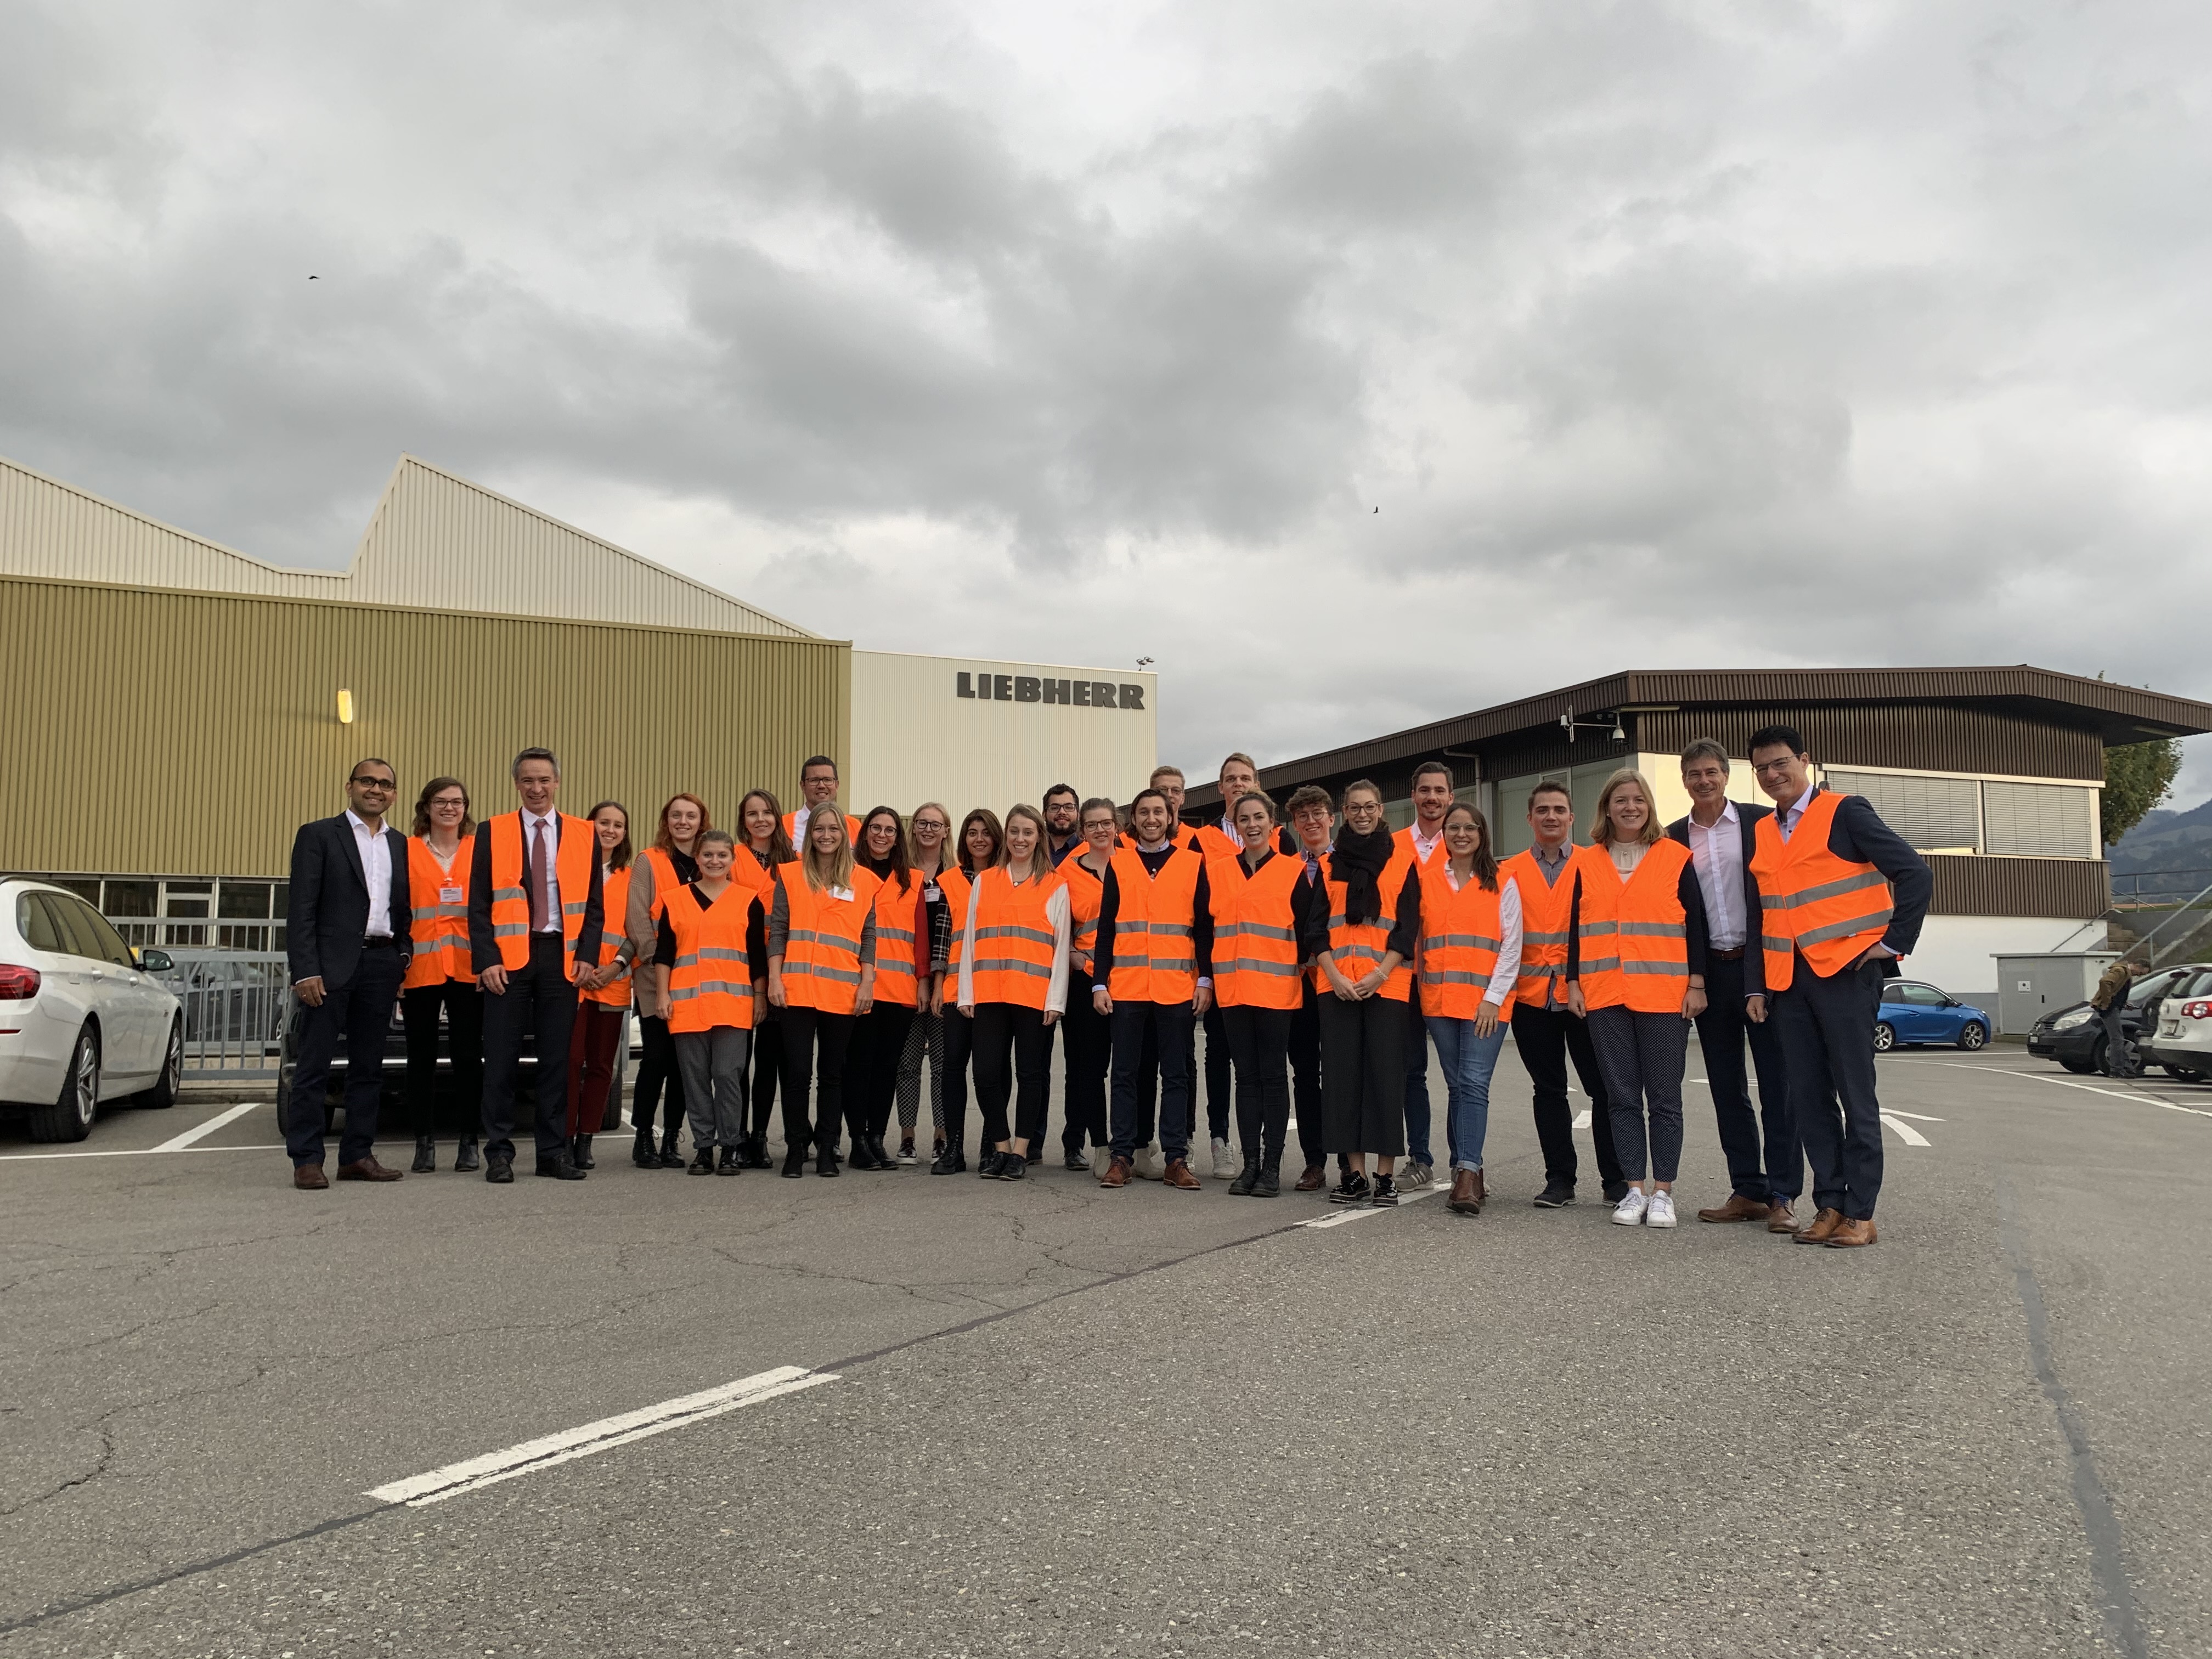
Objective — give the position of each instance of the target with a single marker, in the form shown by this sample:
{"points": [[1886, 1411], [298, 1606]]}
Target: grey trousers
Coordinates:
{"points": [[1642, 1057], [713, 1065], [925, 1035]]}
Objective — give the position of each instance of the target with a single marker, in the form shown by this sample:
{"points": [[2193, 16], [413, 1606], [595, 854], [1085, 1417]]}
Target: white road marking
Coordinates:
{"points": [[2140, 1100], [201, 1133], [1905, 1132], [474, 1474], [134, 1152], [1337, 1217], [1917, 1117], [1582, 1119]]}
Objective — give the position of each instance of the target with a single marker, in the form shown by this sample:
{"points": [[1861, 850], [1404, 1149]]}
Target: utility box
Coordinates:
{"points": [[2028, 987]]}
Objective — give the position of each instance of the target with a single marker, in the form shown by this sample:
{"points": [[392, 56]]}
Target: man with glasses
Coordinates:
{"points": [[346, 923]]}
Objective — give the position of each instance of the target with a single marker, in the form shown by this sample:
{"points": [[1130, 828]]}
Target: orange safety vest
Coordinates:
{"points": [[1014, 938], [572, 863], [1811, 903], [900, 920], [1544, 910], [1598, 932], [664, 878], [1255, 931], [1215, 843], [711, 983], [440, 928], [1404, 839], [1460, 936], [1360, 950], [822, 949], [954, 882], [613, 904], [791, 830], [1654, 934], [1155, 947], [1086, 896]]}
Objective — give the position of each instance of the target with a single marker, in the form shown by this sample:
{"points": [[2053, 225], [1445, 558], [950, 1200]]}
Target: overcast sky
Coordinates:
{"points": [[1659, 335]]}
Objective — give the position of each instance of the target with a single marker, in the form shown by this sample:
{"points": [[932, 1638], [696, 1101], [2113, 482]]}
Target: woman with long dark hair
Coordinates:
{"points": [[901, 969], [440, 976], [666, 865], [1468, 960], [761, 846], [1087, 1041], [603, 999], [980, 844], [1255, 897], [821, 973]]}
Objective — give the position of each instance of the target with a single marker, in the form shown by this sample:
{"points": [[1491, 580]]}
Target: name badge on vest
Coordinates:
{"points": [[837, 892], [449, 896]]}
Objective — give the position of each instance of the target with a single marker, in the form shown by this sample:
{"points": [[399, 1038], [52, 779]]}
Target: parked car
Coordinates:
{"points": [[81, 1021], [2075, 1037], [1913, 1011], [2180, 1038]]}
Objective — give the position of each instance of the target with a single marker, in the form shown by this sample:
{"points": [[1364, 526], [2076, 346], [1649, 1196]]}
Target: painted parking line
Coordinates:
{"points": [[178, 1144], [1337, 1217], [1582, 1119], [133, 1151], [1905, 1132], [474, 1474], [2120, 1094]]}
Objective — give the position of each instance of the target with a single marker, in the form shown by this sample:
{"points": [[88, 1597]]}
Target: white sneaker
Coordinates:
{"points": [[1148, 1165], [1225, 1166], [1662, 1213], [1630, 1210]]}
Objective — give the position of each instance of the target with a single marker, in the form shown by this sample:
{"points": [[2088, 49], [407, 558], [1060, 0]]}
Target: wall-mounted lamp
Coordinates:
{"points": [[345, 708], [1570, 725]]}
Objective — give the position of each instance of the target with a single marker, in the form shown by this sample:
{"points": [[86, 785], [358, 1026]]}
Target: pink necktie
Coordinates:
{"points": [[537, 876]]}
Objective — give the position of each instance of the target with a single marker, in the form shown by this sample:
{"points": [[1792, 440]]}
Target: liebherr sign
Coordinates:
{"points": [[1032, 688]]}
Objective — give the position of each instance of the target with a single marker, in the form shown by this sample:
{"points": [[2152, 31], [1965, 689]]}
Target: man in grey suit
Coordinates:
{"points": [[1721, 834], [346, 932]]}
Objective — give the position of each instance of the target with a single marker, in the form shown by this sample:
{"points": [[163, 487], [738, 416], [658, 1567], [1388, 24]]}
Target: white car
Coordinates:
{"points": [[80, 1020], [2182, 1040]]}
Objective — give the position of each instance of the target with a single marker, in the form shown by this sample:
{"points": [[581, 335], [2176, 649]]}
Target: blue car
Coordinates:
{"points": [[1912, 1012]]}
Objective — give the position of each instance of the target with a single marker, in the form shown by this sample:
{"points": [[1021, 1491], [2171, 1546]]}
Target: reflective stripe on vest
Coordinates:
{"points": [[898, 920], [614, 908], [710, 983], [1597, 939], [1154, 959], [439, 931], [1255, 941], [954, 882], [1086, 896], [572, 863], [1014, 939], [821, 947], [1460, 934], [1810, 900], [1358, 950], [1544, 910], [1653, 932]]}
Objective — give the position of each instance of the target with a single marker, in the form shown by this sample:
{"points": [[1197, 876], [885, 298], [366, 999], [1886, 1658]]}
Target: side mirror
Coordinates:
{"points": [[155, 962]]}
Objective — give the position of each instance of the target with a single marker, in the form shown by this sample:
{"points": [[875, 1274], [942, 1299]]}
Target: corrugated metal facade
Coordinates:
{"points": [[1935, 736], [1970, 886], [435, 541], [182, 733]]}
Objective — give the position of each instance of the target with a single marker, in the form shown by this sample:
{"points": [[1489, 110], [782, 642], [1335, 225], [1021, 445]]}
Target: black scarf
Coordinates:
{"points": [[1357, 860]]}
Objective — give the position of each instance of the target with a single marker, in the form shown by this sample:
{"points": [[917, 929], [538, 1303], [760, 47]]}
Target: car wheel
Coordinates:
{"points": [[1885, 1036], [2184, 1074], [69, 1118], [163, 1094], [1973, 1035]]}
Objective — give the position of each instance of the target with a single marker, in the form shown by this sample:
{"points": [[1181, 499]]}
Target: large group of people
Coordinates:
{"points": [[850, 962]]}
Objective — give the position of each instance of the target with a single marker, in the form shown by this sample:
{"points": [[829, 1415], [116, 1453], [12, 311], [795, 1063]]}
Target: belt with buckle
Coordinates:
{"points": [[1735, 954]]}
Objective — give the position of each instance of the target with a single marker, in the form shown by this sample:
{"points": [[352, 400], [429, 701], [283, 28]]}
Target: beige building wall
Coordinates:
{"points": [[917, 738]]}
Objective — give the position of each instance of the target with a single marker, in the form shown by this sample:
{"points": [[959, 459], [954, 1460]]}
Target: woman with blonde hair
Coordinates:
{"points": [[1637, 975], [822, 973], [1013, 988], [930, 830], [761, 846]]}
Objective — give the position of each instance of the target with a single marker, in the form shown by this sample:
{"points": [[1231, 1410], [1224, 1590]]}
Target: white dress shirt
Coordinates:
{"points": [[376, 871], [1717, 852], [551, 825]]}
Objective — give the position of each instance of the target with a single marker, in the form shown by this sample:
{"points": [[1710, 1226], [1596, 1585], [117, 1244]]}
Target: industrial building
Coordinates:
{"points": [[179, 706], [1994, 773]]}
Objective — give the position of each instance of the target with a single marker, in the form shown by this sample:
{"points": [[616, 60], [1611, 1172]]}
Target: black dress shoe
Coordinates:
{"points": [[500, 1171], [1246, 1178], [794, 1164], [703, 1160], [884, 1158], [987, 1166], [825, 1161], [1012, 1166], [756, 1155], [1557, 1195], [951, 1159], [1076, 1164], [465, 1158], [558, 1166], [426, 1156], [1268, 1183], [644, 1152], [729, 1164], [580, 1152]]}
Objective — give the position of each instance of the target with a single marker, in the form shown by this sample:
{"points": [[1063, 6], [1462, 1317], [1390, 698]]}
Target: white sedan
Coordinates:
{"points": [[81, 1022]]}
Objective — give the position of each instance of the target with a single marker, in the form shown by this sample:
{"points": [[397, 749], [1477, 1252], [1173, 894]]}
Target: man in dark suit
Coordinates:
{"points": [[1841, 897], [1721, 834], [346, 932]]}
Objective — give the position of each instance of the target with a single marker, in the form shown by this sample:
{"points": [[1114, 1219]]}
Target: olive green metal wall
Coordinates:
{"points": [[164, 733]]}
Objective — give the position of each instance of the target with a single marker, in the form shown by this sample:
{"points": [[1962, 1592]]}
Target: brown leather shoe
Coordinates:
{"points": [[1466, 1193], [366, 1168], [309, 1177], [1117, 1174], [1738, 1208], [1822, 1229], [1179, 1176], [1780, 1218], [1852, 1234], [1314, 1178]]}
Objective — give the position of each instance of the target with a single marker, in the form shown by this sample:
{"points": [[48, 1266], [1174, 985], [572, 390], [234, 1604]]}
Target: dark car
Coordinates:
{"points": [[2075, 1037], [453, 1114]]}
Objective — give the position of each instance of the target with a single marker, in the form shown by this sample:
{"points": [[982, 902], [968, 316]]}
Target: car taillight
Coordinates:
{"points": [[17, 984], [2189, 1010]]}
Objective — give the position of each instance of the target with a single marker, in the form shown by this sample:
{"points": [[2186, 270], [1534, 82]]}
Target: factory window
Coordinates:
{"points": [[1971, 815], [2040, 820], [1934, 815]]}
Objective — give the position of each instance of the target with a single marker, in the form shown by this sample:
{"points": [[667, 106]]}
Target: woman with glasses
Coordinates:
{"points": [[762, 845], [440, 980], [668, 864], [1013, 988], [602, 998], [901, 969], [1088, 1044], [1468, 960], [1255, 896], [982, 843], [929, 831]]}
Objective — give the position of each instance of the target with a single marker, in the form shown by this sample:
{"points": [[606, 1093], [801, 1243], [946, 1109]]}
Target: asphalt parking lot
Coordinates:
{"points": [[1045, 1418]]}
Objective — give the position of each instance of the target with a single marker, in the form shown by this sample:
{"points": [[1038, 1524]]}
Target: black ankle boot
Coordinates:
{"points": [[670, 1157], [642, 1152], [1270, 1182], [794, 1163], [580, 1152], [464, 1159], [756, 1155], [1246, 1178], [951, 1159], [825, 1158], [426, 1156]]}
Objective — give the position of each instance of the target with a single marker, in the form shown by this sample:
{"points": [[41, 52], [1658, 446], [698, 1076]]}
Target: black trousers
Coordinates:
{"points": [[959, 1046], [361, 1010], [418, 1011], [1765, 1168], [1363, 1075], [804, 1029], [1221, 1088], [768, 1067], [1545, 1038], [1013, 1060], [657, 1069], [871, 1067], [1305, 1075], [1089, 1046], [1260, 1044], [1171, 1024], [1824, 1024], [538, 999]]}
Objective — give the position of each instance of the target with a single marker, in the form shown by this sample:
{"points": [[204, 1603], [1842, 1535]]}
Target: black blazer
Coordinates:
{"points": [[327, 913], [484, 949], [1747, 815]]}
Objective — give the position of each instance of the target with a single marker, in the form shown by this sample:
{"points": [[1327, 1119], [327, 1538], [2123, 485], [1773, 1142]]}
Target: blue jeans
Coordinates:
{"points": [[1468, 1060], [1417, 1084]]}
